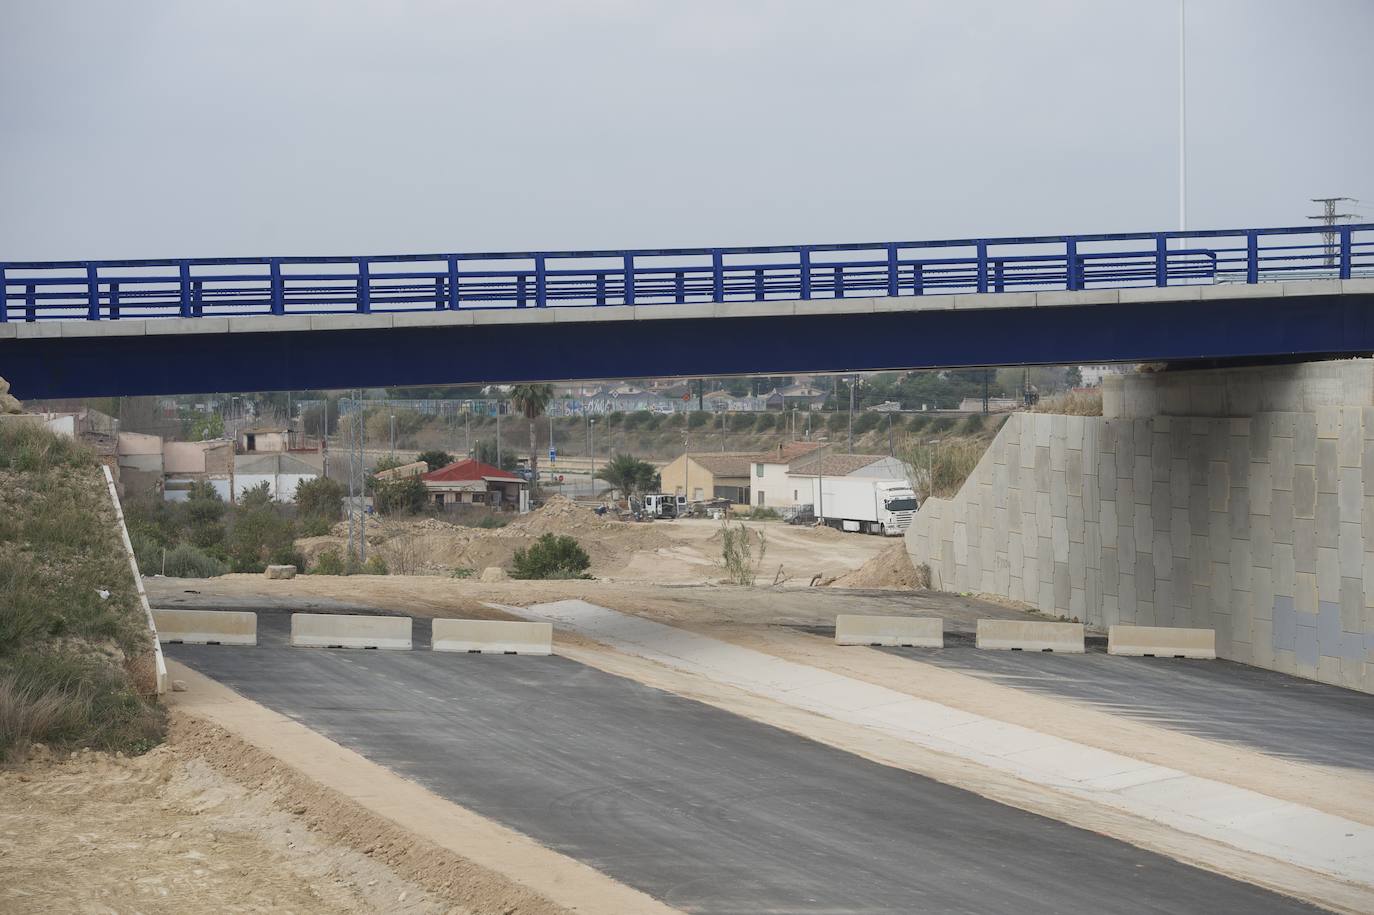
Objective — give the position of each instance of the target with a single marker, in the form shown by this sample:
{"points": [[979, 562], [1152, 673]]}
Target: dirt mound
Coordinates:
{"points": [[429, 546], [891, 569]]}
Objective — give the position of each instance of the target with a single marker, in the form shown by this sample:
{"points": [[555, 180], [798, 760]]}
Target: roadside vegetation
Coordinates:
{"points": [[551, 556], [75, 651], [737, 552], [204, 536]]}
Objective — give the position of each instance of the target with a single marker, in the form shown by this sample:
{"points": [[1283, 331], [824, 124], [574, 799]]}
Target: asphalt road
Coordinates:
{"points": [[1220, 700], [706, 810]]}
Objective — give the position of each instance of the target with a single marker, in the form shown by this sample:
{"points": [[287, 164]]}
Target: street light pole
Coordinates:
{"points": [[393, 435]]}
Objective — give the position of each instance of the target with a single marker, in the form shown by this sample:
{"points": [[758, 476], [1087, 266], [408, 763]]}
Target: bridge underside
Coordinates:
{"points": [[124, 363]]}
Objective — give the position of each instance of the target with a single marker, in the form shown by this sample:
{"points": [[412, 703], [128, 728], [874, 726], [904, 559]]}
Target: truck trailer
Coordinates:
{"points": [[864, 504]]}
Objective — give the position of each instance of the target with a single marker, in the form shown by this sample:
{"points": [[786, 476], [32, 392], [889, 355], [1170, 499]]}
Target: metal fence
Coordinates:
{"points": [[218, 287]]}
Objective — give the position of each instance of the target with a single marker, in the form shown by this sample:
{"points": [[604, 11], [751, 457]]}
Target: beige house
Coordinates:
{"points": [[740, 476]]}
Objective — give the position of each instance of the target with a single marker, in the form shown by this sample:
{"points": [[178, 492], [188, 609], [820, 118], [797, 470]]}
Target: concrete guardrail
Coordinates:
{"points": [[1027, 635], [903, 631], [1162, 642], [492, 637], [330, 630], [207, 627]]}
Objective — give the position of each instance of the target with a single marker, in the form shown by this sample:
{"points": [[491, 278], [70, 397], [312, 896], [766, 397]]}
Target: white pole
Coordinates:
{"points": [[1182, 117]]}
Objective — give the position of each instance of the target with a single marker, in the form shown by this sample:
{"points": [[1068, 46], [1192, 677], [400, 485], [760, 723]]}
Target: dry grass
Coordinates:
{"points": [[1074, 403], [69, 658]]}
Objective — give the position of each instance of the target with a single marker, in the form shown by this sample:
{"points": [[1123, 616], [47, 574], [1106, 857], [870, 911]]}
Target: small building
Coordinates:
{"points": [[403, 472], [795, 396], [470, 482], [260, 441], [281, 472]]}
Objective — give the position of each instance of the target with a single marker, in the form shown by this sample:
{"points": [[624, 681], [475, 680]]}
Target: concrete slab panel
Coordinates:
{"points": [[185, 326], [890, 631], [206, 627], [1018, 635], [492, 637], [573, 314], [102, 328], [1162, 642], [436, 318], [330, 630], [260, 324], [1081, 297]]}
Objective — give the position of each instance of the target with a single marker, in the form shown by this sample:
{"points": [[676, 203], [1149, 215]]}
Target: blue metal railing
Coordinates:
{"points": [[206, 287]]}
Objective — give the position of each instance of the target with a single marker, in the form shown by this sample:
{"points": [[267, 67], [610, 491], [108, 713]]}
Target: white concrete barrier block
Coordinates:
{"points": [[281, 571], [492, 636], [904, 631], [1162, 642], [330, 630], [1030, 635], [207, 627]]}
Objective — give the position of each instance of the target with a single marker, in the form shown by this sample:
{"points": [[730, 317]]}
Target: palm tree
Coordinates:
{"points": [[629, 474], [531, 399]]}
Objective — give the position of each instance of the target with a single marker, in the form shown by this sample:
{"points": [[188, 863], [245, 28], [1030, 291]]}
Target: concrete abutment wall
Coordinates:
{"points": [[1240, 500]]}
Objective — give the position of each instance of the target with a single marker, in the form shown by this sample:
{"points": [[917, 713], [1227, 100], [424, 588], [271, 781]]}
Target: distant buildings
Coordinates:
{"points": [[470, 482]]}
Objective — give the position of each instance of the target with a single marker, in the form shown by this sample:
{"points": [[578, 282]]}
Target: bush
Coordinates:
{"points": [[375, 565], [697, 419], [491, 521], [258, 496], [320, 498], [972, 424], [463, 573], [315, 527], [407, 496], [867, 422], [329, 562], [185, 561], [837, 422], [762, 513], [260, 537], [435, 458], [551, 556], [736, 553]]}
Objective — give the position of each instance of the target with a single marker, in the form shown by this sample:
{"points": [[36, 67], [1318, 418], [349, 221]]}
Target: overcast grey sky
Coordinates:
{"points": [[260, 127]]}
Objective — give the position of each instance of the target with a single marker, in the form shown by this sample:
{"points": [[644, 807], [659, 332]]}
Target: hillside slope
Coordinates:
{"points": [[75, 650]]}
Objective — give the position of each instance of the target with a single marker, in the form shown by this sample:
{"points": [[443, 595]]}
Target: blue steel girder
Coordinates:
{"points": [[1264, 327]]}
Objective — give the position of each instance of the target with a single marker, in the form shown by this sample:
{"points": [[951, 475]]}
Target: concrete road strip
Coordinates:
{"points": [[337, 630], [1162, 642], [207, 627], [1023, 635], [492, 636], [894, 631], [1235, 816]]}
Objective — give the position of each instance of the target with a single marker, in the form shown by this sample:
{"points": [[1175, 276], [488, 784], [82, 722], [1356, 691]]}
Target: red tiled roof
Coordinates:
{"points": [[466, 470]]}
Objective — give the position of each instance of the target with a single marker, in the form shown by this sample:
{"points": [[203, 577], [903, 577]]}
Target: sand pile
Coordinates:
{"points": [[891, 569]]}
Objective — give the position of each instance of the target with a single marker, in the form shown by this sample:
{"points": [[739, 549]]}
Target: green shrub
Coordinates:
{"points": [[491, 521], [315, 526], [435, 458], [375, 565], [329, 562], [462, 573], [27, 448], [698, 419], [972, 424], [400, 497], [185, 561], [762, 513], [838, 422], [258, 496], [551, 556], [320, 498], [259, 537], [737, 552], [867, 422]]}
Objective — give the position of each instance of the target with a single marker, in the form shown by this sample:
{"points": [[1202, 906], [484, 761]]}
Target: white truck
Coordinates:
{"points": [[864, 504]]}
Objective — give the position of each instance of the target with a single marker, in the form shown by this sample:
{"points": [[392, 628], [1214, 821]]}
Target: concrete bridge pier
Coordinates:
{"points": [[1235, 499]]}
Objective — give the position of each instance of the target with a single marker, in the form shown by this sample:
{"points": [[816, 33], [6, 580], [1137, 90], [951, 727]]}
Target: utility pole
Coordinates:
{"points": [[591, 447], [1329, 217], [357, 483], [986, 375], [393, 435], [853, 385], [1182, 118], [467, 432]]}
